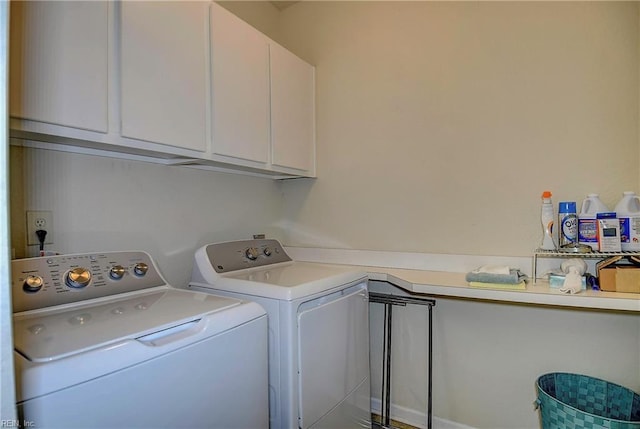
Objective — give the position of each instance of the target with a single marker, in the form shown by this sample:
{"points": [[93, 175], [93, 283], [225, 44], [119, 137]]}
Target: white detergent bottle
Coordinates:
{"points": [[587, 224], [546, 217], [628, 211]]}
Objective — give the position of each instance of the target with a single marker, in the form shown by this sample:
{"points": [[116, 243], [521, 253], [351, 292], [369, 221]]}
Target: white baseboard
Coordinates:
{"points": [[416, 418]]}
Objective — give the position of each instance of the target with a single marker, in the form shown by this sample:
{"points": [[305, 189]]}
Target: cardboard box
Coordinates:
{"points": [[619, 274]]}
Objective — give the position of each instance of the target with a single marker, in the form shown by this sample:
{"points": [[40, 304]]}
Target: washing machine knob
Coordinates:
{"points": [[78, 278], [140, 269], [267, 251], [251, 253], [32, 284], [117, 272]]}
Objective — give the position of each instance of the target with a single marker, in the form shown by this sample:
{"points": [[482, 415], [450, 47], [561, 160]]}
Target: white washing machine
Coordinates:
{"points": [[318, 330], [101, 341]]}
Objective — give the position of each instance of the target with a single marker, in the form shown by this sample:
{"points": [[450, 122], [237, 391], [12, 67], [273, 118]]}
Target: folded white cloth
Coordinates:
{"points": [[572, 281], [579, 264], [493, 269]]}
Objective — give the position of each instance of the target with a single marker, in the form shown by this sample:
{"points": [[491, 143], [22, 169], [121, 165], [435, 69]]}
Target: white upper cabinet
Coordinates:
{"points": [[174, 82], [240, 88], [263, 99], [58, 69], [292, 111], [164, 72]]}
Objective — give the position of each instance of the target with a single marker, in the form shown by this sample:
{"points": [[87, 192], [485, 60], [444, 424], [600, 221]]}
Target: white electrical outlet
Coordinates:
{"points": [[39, 220]]}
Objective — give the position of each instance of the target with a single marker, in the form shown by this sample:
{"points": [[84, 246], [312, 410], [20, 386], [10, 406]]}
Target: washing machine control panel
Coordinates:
{"points": [[64, 279], [238, 255]]}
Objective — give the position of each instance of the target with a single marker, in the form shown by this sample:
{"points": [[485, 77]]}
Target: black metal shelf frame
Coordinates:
{"points": [[389, 301]]}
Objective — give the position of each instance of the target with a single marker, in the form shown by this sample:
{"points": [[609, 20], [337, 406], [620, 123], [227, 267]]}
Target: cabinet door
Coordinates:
{"points": [[292, 111], [58, 63], [164, 74], [240, 82]]}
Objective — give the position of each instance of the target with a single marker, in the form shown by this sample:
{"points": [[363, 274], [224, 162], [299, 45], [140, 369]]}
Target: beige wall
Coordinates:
{"points": [[439, 124], [103, 204]]}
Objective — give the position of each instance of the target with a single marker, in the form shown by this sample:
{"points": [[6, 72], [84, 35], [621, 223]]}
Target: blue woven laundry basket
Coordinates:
{"points": [[574, 401]]}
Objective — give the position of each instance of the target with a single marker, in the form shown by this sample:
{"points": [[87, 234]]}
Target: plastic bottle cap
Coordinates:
{"points": [[607, 215], [546, 194], [567, 207]]}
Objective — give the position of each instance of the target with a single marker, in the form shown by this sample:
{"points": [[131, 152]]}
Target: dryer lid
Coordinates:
{"points": [[289, 281], [56, 333]]}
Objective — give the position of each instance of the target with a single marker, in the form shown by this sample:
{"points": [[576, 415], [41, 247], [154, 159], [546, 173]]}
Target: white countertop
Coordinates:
{"points": [[435, 275]]}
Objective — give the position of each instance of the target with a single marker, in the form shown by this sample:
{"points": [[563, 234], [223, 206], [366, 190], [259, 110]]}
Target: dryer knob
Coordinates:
{"points": [[32, 284], [78, 278], [251, 253], [267, 251], [117, 272], [140, 269]]}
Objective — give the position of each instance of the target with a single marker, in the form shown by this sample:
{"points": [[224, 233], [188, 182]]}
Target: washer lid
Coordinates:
{"points": [[289, 280], [52, 334]]}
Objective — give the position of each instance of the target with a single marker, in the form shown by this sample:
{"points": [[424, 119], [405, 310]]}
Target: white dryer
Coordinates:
{"points": [[318, 330], [101, 341]]}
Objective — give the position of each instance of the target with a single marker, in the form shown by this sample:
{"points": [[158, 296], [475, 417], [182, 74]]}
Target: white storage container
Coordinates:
{"points": [[587, 225], [628, 211]]}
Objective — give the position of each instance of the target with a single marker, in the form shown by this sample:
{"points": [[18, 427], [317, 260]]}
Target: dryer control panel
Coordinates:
{"points": [[239, 255], [64, 279]]}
